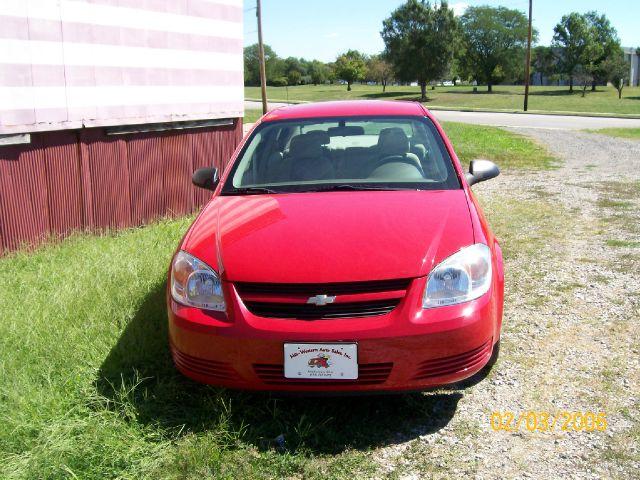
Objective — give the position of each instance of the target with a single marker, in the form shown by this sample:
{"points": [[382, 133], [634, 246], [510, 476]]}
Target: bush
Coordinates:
{"points": [[279, 82]]}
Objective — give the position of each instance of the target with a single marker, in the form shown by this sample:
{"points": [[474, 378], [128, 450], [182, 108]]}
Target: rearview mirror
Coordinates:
{"points": [[206, 178], [481, 170]]}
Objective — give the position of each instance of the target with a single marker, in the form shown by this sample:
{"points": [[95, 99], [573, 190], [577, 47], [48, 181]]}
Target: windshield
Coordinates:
{"points": [[355, 153]]}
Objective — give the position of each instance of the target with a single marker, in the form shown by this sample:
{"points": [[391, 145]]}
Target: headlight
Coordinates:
{"points": [[195, 284], [463, 276]]}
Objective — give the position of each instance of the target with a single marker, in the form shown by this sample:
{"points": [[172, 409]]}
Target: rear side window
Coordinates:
{"points": [[359, 152]]}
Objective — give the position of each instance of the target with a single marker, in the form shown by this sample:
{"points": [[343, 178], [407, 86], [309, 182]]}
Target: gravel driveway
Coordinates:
{"points": [[571, 338]]}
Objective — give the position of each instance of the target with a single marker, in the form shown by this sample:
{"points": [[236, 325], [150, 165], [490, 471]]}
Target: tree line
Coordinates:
{"points": [[425, 43], [349, 67]]}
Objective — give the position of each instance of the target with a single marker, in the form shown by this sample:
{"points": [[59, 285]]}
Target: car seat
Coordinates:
{"points": [[308, 157]]}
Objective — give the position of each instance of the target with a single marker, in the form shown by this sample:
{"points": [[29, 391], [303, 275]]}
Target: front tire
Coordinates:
{"points": [[494, 357]]}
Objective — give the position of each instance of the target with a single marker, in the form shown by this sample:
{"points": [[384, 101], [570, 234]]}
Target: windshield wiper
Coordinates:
{"points": [[251, 191], [348, 186]]}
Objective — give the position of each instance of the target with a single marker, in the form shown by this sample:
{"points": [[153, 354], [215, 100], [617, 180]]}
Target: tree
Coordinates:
{"points": [[578, 42], [617, 70], [544, 61], [294, 77], [606, 36], [294, 70], [380, 70], [331, 72], [418, 41], [493, 41], [279, 82], [584, 76], [273, 64], [350, 67], [318, 72]]}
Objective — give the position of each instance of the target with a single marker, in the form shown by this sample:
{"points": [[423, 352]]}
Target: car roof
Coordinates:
{"points": [[346, 108]]}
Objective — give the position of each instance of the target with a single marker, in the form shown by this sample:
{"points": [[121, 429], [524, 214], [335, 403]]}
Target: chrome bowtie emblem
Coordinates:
{"points": [[321, 299]]}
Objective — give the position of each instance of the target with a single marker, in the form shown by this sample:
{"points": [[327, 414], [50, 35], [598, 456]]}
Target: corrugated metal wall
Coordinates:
{"points": [[85, 180]]}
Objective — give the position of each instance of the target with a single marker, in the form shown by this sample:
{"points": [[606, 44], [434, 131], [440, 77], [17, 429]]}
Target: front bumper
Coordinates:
{"points": [[407, 349]]}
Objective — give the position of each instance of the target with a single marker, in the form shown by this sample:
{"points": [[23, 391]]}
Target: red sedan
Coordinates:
{"points": [[342, 250]]}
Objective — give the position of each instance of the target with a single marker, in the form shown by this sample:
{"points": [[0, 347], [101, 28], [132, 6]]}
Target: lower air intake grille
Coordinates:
{"points": [[368, 374], [438, 367]]}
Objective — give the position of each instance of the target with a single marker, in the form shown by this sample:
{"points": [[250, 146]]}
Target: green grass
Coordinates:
{"points": [[623, 243], [509, 150], [251, 116], [604, 100], [633, 133], [609, 203]]}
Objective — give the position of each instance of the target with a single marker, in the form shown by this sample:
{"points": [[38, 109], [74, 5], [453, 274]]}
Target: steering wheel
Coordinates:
{"points": [[398, 159]]}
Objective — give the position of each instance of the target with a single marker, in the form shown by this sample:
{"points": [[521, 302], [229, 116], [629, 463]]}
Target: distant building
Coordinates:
{"points": [[631, 56]]}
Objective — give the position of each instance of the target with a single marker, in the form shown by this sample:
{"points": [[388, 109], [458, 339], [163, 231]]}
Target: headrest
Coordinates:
{"points": [[393, 141], [419, 149], [321, 135], [308, 144], [345, 131]]}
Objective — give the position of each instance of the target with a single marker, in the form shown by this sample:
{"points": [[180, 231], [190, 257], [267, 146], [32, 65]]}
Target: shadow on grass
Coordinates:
{"points": [[533, 92], [381, 94], [482, 91], [138, 373], [559, 93]]}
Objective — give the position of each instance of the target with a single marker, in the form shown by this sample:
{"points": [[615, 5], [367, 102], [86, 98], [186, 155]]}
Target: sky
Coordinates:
{"points": [[323, 29]]}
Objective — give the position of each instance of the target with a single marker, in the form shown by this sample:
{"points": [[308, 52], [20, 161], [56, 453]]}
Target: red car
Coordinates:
{"points": [[342, 250]]}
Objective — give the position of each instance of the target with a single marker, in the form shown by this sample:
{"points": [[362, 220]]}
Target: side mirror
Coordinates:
{"points": [[206, 178], [481, 170]]}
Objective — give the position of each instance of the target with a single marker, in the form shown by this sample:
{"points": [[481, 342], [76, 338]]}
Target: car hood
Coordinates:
{"points": [[330, 236]]}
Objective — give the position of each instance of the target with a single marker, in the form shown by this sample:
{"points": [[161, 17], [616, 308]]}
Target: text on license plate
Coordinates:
{"points": [[337, 361]]}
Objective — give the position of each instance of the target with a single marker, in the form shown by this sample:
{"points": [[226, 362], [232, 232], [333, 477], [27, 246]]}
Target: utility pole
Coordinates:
{"points": [[528, 64], [263, 75]]}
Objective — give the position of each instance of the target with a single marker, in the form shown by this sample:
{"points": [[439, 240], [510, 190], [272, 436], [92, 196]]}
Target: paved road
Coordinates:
{"points": [[563, 122], [251, 105]]}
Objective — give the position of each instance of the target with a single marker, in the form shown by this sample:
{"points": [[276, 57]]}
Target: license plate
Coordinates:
{"points": [[337, 361]]}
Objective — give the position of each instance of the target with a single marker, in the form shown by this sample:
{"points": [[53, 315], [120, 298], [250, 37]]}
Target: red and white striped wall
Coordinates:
{"points": [[66, 64]]}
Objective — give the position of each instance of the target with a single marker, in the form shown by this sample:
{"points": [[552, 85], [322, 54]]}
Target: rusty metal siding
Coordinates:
{"points": [[177, 174], [61, 163], [146, 173], [84, 180], [109, 181], [24, 212]]}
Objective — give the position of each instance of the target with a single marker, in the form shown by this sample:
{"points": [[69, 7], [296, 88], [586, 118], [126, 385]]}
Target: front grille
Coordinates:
{"points": [[438, 367], [310, 289], [288, 300], [305, 311], [368, 374]]}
